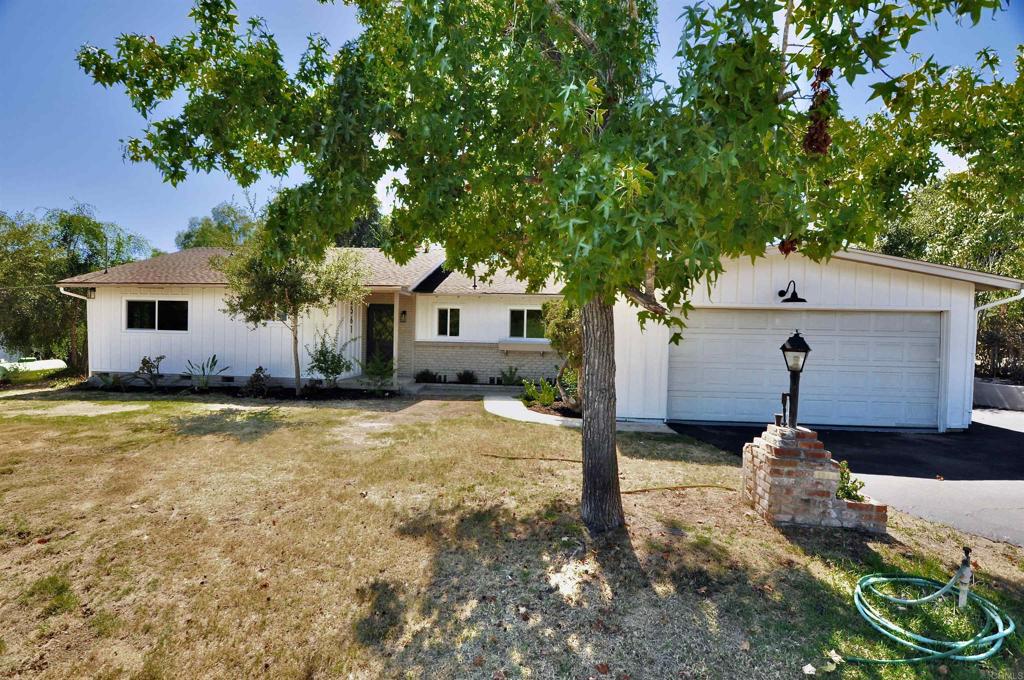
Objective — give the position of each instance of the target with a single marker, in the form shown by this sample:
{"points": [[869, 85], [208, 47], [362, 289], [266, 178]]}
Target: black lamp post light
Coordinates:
{"points": [[794, 350]]}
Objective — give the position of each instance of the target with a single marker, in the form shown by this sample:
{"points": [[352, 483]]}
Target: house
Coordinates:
{"points": [[892, 339]]}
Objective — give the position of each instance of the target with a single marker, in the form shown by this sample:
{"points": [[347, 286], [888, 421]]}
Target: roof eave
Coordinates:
{"points": [[981, 280]]}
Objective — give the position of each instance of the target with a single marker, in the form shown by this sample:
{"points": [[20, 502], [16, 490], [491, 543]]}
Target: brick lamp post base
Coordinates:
{"points": [[789, 478]]}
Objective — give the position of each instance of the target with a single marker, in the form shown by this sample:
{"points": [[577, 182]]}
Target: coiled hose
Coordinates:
{"points": [[986, 643]]}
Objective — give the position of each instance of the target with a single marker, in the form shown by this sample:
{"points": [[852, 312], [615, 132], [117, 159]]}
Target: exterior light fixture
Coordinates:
{"points": [[402, 316], [794, 351], [793, 297]]}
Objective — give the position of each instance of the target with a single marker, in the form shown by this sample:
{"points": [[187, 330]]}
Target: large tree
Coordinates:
{"points": [[227, 225], [36, 252], [536, 135], [263, 287]]}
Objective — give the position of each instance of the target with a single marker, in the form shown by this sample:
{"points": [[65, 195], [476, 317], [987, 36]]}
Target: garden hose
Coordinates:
{"points": [[986, 643]]}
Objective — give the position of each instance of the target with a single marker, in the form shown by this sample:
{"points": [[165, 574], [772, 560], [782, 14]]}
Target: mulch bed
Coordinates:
{"points": [[556, 409]]}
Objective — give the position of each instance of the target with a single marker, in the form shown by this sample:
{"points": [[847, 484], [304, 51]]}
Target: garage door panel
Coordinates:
{"points": [[865, 368]]}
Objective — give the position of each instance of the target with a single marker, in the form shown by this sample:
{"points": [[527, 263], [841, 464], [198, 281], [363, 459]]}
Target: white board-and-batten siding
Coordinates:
{"points": [[642, 359], [115, 349]]}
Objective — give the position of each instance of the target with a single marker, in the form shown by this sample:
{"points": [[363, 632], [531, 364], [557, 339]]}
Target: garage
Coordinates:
{"points": [[892, 344], [866, 368]]}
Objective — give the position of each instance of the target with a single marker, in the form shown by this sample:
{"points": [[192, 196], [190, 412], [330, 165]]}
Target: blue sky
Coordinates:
{"points": [[59, 133]]}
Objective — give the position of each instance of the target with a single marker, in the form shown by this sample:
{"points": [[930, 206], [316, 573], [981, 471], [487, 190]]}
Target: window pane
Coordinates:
{"points": [[515, 323], [173, 315], [453, 322], [140, 314], [534, 323], [442, 322]]}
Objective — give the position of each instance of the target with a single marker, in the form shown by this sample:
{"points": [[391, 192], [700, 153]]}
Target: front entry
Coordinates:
{"points": [[380, 332]]}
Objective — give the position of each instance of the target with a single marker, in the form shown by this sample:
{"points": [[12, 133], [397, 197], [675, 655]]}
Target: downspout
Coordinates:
{"points": [[1000, 302], [65, 291], [977, 319]]}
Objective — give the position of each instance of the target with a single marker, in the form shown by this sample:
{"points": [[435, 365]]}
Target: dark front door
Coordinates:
{"points": [[380, 332]]}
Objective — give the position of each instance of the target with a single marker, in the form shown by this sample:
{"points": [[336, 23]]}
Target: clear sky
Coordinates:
{"points": [[59, 133]]}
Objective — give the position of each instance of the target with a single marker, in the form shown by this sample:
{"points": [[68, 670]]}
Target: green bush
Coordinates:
{"points": [[202, 372], [427, 376], [510, 376], [258, 384], [327, 359], [541, 392], [378, 374], [849, 486], [571, 383], [466, 377]]}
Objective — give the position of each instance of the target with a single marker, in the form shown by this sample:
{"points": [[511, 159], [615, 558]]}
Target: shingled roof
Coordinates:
{"points": [[192, 267]]}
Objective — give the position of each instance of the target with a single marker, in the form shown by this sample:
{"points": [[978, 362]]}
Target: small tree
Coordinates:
{"points": [[263, 287], [563, 326], [226, 226]]}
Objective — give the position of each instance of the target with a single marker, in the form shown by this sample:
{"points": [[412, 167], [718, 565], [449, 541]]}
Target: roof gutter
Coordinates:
{"points": [[65, 291], [1000, 302]]}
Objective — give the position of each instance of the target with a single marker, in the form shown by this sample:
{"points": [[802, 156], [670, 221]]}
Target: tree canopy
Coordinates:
{"points": [[35, 253], [227, 225]]}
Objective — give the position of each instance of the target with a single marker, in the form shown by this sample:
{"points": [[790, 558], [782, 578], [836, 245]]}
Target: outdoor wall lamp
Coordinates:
{"points": [[793, 297], [794, 351], [402, 316]]}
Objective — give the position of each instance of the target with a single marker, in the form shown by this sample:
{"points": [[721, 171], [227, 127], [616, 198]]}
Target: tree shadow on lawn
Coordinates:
{"points": [[666, 447], [532, 595], [242, 425]]}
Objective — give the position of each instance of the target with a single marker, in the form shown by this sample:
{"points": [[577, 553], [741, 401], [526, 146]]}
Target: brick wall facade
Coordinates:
{"points": [[789, 478], [484, 359]]}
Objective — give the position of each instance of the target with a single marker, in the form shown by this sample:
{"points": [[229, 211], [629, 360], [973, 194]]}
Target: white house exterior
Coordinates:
{"points": [[893, 340]]}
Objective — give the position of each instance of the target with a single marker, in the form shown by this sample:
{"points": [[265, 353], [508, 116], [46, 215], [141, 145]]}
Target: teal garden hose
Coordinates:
{"points": [[984, 644]]}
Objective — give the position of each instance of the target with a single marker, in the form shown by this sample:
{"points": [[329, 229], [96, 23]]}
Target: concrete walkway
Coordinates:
{"points": [[508, 406]]}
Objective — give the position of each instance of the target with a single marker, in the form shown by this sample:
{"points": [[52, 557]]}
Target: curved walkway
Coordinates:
{"points": [[511, 407]]}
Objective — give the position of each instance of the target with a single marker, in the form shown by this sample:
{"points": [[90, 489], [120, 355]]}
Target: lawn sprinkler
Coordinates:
{"points": [[982, 645]]}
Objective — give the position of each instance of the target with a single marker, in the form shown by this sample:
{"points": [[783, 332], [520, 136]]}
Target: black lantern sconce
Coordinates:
{"points": [[402, 316], [793, 297], [794, 351]]}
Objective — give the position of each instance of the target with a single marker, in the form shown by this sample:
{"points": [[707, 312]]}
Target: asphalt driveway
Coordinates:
{"points": [[972, 480]]}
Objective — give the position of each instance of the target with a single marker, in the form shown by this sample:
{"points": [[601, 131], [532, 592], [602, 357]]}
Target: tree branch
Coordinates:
{"points": [[576, 29], [646, 300]]}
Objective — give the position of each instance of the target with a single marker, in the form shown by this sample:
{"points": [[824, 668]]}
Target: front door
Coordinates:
{"points": [[380, 332]]}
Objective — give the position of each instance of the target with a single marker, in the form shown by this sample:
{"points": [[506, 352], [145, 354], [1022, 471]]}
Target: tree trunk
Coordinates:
{"points": [[601, 504], [295, 352]]}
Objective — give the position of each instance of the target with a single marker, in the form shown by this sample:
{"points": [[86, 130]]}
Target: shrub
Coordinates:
{"points": [[542, 392], [510, 376], [466, 377], [427, 376], [202, 372], [570, 382], [149, 371], [378, 374], [849, 486], [326, 358], [258, 384]]}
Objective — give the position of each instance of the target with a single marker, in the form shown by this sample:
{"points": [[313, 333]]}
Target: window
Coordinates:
{"points": [[156, 315], [525, 323], [448, 321]]}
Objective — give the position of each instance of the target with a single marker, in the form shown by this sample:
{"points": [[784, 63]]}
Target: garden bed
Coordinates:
{"points": [[556, 409]]}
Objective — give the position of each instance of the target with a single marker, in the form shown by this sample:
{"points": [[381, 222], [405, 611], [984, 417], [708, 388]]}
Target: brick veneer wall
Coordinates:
{"points": [[484, 359], [789, 478]]}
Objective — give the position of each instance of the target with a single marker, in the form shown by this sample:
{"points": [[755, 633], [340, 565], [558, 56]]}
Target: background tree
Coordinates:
{"points": [[227, 225], [264, 288], [370, 230], [35, 253], [957, 221], [535, 135], [563, 327]]}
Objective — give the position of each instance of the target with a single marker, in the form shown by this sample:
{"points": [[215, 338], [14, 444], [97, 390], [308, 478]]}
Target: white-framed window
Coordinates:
{"points": [[526, 322], [448, 321], [156, 315]]}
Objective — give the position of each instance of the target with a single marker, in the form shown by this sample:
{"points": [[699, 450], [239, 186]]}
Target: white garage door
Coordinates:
{"points": [[865, 368]]}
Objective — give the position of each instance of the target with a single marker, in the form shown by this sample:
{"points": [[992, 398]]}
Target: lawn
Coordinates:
{"points": [[207, 537]]}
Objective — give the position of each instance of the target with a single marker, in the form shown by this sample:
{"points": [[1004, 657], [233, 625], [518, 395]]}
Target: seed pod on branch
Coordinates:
{"points": [[818, 140]]}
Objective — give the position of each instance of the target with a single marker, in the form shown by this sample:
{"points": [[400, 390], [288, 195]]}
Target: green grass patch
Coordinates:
{"points": [[54, 593], [104, 623]]}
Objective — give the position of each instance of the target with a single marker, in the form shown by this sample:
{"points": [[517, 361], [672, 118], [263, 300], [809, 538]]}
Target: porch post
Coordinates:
{"points": [[394, 338]]}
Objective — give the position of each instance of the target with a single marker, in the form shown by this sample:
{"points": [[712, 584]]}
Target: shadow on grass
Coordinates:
{"points": [[533, 595], [242, 425], [650, 446]]}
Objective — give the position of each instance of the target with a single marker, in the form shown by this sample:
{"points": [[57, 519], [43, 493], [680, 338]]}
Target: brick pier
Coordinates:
{"points": [[789, 478]]}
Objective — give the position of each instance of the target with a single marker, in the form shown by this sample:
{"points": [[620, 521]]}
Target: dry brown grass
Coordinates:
{"points": [[208, 538]]}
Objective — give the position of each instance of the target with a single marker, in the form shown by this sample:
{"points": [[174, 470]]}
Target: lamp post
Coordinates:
{"points": [[794, 351]]}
